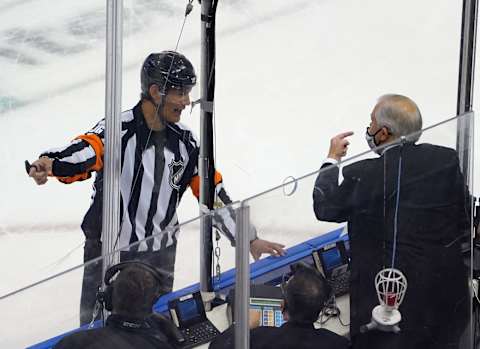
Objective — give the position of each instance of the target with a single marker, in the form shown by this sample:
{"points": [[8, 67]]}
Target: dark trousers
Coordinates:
{"points": [[92, 274]]}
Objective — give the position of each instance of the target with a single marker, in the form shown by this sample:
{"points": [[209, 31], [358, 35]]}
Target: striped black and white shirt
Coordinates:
{"points": [[157, 168]]}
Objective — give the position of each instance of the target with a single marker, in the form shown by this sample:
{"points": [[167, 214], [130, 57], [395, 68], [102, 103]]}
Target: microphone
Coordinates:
{"points": [[391, 286]]}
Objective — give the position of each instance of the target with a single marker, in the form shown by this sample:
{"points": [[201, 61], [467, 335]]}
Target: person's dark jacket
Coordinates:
{"points": [[432, 218], [289, 336], [119, 333]]}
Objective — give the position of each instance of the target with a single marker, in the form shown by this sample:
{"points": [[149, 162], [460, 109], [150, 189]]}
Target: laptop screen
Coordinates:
{"points": [[333, 259], [270, 311], [188, 309]]}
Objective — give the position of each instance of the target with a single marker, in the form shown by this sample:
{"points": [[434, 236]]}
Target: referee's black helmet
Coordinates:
{"points": [[167, 70]]}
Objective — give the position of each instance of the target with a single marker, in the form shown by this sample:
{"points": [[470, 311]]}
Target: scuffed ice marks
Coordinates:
{"points": [[28, 42], [25, 47], [12, 55], [79, 33]]}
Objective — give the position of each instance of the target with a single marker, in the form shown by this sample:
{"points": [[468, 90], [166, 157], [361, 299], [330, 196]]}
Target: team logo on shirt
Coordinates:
{"points": [[176, 171]]}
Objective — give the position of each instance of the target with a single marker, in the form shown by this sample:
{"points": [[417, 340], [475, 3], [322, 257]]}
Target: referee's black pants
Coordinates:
{"points": [[163, 259]]}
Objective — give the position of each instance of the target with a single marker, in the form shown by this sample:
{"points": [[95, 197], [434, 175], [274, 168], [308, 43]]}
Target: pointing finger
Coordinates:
{"points": [[344, 134]]}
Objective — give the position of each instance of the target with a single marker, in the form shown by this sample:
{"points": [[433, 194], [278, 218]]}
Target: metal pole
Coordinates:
{"points": [[464, 105], [112, 157], [242, 278], [465, 83], [473, 250], [206, 161]]}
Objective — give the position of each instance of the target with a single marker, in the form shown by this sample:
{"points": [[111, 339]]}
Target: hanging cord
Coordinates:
{"points": [[215, 268], [217, 251], [214, 121], [211, 77], [188, 10], [397, 203], [384, 209]]}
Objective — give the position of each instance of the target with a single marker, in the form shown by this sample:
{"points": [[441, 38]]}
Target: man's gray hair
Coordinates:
{"points": [[400, 115]]}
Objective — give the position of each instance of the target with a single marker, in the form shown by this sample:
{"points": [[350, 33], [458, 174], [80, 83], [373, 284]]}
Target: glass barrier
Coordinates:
{"points": [[403, 208], [153, 27], [66, 59], [280, 104], [50, 308], [53, 67], [41, 50]]}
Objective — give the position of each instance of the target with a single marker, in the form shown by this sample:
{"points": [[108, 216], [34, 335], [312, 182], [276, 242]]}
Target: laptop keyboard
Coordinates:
{"points": [[197, 334], [340, 284]]}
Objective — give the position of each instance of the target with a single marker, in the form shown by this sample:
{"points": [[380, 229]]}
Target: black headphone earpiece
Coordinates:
{"points": [[104, 296]]}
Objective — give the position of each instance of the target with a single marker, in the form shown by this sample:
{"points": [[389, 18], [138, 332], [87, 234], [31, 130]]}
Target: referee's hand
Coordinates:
{"points": [[40, 170], [259, 247]]}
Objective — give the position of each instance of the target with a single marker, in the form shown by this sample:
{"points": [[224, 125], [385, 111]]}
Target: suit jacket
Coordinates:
{"points": [[119, 333], [288, 336], [431, 219]]}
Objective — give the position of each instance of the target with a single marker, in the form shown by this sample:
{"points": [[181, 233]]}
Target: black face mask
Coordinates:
{"points": [[371, 138]]}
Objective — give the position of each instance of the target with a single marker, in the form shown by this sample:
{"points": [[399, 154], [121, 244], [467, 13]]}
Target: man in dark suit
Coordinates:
{"points": [[411, 200], [304, 294]]}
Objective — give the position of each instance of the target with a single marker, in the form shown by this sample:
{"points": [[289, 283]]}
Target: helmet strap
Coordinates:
{"points": [[158, 110], [158, 106]]}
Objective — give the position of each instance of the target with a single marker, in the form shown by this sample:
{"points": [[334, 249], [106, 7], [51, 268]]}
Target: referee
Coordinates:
{"points": [[159, 162]]}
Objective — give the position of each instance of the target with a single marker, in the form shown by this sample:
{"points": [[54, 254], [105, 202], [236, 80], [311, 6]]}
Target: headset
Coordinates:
{"points": [[302, 267], [155, 326], [309, 271], [104, 297]]}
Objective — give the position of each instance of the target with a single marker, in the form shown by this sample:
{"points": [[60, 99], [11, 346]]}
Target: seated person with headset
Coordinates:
{"points": [[304, 296], [132, 324]]}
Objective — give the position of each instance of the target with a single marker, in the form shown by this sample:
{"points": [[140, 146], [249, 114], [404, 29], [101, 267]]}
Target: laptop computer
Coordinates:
{"points": [[188, 313], [333, 262]]}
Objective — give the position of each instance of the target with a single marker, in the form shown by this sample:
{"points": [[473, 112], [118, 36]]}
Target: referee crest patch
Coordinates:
{"points": [[176, 171]]}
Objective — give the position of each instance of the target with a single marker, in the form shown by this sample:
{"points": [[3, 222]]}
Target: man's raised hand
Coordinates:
{"points": [[339, 145]]}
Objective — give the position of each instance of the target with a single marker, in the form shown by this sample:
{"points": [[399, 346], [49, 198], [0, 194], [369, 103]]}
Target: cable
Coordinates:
{"points": [[331, 310], [397, 204], [188, 10], [64, 257]]}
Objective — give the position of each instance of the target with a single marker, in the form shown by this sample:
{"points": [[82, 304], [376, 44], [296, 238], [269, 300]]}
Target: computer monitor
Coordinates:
{"points": [[266, 299], [270, 310], [332, 260], [187, 310]]}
